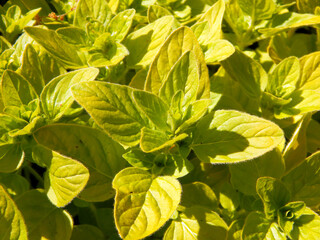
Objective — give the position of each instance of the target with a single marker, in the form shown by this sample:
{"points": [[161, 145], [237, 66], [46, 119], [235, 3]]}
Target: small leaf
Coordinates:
{"points": [[177, 44], [154, 140], [218, 51], [258, 227], [231, 136], [258, 9], [12, 225], [14, 183], [120, 25], [11, 157], [249, 73], [143, 202], [197, 223], [144, 43], [284, 78], [274, 195], [56, 97], [31, 68], [92, 10], [67, 178], [44, 220], [310, 70], [198, 193]]}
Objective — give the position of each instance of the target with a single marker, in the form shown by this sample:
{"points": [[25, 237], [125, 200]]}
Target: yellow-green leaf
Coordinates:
{"points": [[143, 202]]}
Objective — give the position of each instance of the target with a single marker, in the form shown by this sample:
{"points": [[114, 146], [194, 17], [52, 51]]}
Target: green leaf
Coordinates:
{"points": [[274, 195], [139, 159], [198, 109], [74, 36], [91, 147], [197, 224], [68, 55], [307, 6], [12, 225], [121, 24], [143, 202], [288, 20], [44, 220], [177, 44], [153, 107], [258, 227], [258, 9], [208, 27], [84, 232], [154, 140], [303, 101], [229, 197], [11, 157], [66, 179], [304, 180], [106, 52], [144, 43], [56, 97], [183, 76], [313, 138], [16, 90], [283, 79], [244, 175], [114, 109], [155, 12], [31, 68], [296, 149], [96, 11], [249, 73], [231, 136], [310, 69], [14, 184], [306, 227], [198, 193], [218, 51]]}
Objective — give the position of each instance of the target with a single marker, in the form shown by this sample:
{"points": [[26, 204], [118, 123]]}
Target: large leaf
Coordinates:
{"points": [[274, 195], [66, 179], [143, 202], [56, 97], [249, 73], [113, 109], [64, 52], [16, 90], [12, 225], [211, 29], [231, 136], [93, 148], [244, 175], [197, 224], [44, 220], [177, 44], [144, 43], [304, 180], [85, 231]]}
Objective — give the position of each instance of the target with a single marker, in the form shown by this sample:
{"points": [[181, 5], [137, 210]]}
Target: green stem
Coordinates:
{"points": [[35, 174]]}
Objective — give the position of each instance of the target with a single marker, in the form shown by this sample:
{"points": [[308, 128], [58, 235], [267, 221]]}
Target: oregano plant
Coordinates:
{"points": [[160, 119]]}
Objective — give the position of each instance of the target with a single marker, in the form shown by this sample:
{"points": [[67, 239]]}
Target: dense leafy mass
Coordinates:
{"points": [[160, 119]]}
